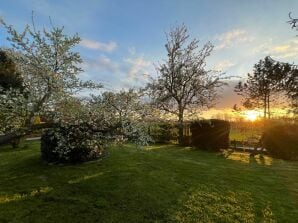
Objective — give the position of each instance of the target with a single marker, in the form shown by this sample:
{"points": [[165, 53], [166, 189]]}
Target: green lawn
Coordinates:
{"points": [[155, 184]]}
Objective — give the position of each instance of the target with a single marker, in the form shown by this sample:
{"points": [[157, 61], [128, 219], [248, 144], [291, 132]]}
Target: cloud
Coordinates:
{"points": [[236, 36], [287, 50], [96, 45], [281, 48], [223, 65], [284, 50], [118, 73], [139, 68], [102, 64]]}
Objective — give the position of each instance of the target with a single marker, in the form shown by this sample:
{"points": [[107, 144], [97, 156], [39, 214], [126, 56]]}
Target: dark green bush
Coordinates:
{"points": [[71, 144], [281, 141], [210, 134], [163, 132], [186, 141]]}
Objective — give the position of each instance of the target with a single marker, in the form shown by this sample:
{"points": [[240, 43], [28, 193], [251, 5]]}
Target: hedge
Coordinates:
{"points": [[210, 134], [163, 132], [281, 141]]}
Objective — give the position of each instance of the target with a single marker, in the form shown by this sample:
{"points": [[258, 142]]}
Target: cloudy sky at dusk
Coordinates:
{"points": [[122, 40]]}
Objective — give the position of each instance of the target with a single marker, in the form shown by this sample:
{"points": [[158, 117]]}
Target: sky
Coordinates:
{"points": [[123, 40]]}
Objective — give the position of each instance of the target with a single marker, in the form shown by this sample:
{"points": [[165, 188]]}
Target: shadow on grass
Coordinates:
{"points": [[247, 158]]}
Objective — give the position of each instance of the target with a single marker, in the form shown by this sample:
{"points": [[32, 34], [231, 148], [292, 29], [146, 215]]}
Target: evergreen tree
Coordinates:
{"points": [[9, 77]]}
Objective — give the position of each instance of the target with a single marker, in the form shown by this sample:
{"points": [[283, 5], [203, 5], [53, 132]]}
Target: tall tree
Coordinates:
{"points": [[49, 69], [260, 87], [183, 82], [291, 85]]}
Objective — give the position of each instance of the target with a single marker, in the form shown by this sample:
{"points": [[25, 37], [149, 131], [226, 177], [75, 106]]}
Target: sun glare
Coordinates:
{"points": [[251, 115]]}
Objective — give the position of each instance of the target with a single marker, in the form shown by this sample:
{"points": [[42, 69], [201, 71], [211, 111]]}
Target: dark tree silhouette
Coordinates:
{"points": [[293, 22], [291, 84], [260, 87], [9, 77]]}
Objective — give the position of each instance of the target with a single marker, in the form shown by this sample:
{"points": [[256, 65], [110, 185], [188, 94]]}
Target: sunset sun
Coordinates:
{"points": [[251, 115]]}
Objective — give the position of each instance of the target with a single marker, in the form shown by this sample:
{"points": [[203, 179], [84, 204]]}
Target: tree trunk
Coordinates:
{"points": [[180, 127], [265, 107], [268, 106]]}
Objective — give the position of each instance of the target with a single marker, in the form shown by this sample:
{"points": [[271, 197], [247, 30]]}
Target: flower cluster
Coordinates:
{"points": [[73, 143]]}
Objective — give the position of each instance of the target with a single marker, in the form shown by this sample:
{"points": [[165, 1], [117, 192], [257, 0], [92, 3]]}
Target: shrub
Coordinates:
{"points": [[210, 134], [72, 144], [163, 132], [281, 141], [137, 133]]}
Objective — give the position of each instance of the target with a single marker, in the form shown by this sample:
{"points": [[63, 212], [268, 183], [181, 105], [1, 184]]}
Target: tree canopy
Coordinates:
{"points": [[263, 86], [183, 82]]}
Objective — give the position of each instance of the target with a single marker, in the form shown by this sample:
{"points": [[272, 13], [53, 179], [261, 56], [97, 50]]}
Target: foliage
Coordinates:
{"points": [[72, 110], [281, 141], [117, 115], [10, 78], [137, 132], [290, 86], [126, 110], [183, 82], [13, 110], [118, 106], [49, 70], [72, 143], [210, 134], [163, 132], [13, 100]]}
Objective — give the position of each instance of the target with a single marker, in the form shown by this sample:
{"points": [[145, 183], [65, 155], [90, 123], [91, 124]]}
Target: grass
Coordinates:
{"points": [[156, 184]]}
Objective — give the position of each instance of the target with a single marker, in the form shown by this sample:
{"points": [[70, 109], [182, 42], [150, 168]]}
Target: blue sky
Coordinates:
{"points": [[122, 40]]}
